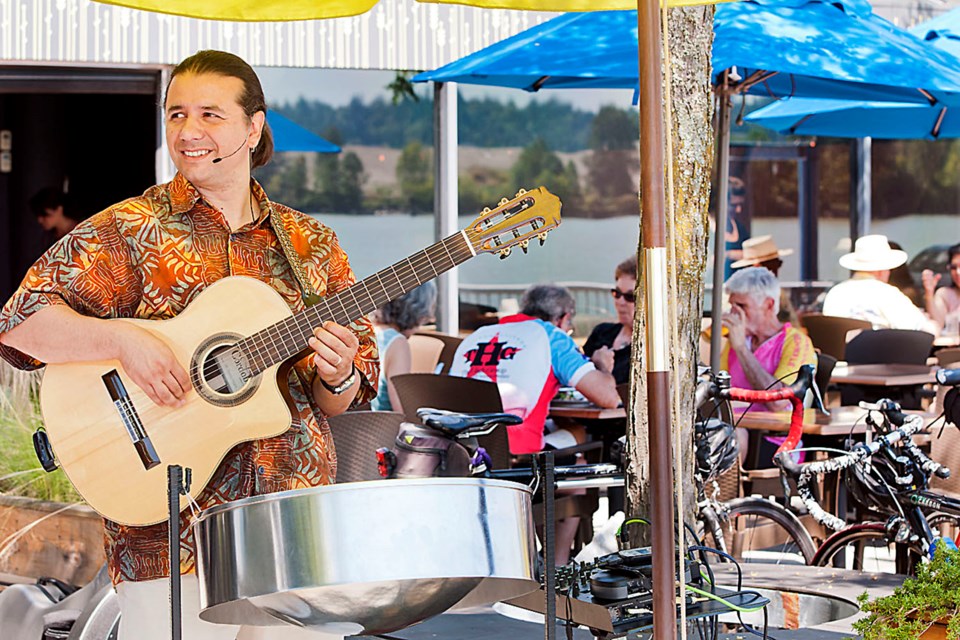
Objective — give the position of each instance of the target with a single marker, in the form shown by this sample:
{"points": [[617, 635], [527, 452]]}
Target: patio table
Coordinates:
{"points": [[883, 375]]}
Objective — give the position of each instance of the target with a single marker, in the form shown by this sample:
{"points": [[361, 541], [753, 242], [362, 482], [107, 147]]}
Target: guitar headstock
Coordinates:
{"points": [[529, 215]]}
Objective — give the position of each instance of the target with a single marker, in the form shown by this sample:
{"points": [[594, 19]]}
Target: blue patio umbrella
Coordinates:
{"points": [[875, 119], [778, 47], [289, 136], [807, 48]]}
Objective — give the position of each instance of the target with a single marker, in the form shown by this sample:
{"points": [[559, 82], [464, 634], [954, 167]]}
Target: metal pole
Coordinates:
{"points": [[720, 233], [861, 178], [655, 291], [445, 199], [174, 485], [809, 168]]}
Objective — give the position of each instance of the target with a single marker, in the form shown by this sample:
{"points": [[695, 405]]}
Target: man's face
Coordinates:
{"points": [[48, 221], [755, 314], [205, 121]]}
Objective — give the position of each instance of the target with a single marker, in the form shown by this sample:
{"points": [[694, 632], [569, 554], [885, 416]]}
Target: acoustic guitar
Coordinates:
{"points": [[237, 340]]}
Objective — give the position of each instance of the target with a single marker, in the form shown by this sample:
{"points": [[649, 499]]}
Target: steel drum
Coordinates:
{"points": [[365, 557]]}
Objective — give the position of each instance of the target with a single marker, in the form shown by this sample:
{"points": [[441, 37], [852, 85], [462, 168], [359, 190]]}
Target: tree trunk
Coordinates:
{"points": [[690, 110]]}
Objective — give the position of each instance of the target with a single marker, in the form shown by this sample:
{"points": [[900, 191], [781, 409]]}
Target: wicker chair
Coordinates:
{"points": [[357, 435]]}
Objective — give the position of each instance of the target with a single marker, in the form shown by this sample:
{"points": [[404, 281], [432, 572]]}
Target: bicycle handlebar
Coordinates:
{"points": [[906, 426], [795, 393]]}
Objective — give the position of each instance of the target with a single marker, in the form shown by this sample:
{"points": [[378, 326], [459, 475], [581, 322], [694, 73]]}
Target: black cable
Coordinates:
{"points": [[723, 554]]}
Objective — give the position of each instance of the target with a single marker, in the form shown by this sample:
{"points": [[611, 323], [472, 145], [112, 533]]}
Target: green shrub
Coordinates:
{"points": [[20, 471], [934, 594]]}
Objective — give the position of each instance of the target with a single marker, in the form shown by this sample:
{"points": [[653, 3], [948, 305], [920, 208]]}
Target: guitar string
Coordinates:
{"points": [[282, 329], [414, 263], [266, 349], [404, 283]]}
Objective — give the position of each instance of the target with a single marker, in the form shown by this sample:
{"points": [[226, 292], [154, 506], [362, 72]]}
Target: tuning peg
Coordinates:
{"points": [[524, 244], [521, 192], [504, 253], [502, 202], [542, 237]]}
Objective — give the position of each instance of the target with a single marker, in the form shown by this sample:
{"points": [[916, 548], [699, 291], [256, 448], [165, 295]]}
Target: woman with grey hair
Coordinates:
{"points": [[394, 323]]}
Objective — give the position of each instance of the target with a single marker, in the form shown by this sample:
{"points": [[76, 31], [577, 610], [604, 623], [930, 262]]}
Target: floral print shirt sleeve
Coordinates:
{"points": [[148, 258]]}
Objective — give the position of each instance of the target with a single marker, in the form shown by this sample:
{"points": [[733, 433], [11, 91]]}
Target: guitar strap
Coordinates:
{"points": [[310, 295]]}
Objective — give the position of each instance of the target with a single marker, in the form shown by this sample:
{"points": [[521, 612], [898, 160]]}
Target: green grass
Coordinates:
{"points": [[20, 471]]}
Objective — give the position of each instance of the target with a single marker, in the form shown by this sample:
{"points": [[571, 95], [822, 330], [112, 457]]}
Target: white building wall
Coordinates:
{"points": [[395, 34]]}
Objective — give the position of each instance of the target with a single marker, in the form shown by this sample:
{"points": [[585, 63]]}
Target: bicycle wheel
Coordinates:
{"points": [[759, 530], [865, 547]]}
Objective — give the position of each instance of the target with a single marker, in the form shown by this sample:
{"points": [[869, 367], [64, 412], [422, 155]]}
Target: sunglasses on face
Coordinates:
{"points": [[626, 295]]}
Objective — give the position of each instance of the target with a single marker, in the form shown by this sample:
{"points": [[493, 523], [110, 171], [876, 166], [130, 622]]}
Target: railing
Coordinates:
{"points": [[594, 299]]}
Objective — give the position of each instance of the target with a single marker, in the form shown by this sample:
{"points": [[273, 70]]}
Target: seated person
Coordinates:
{"points": [[760, 351], [943, 304], [867, 295], [530, 356], [394, 323], [608, 346], [762, 251]]}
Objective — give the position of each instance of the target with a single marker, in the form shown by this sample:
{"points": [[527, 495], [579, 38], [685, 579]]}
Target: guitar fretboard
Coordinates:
{"points": [[288, 338]]}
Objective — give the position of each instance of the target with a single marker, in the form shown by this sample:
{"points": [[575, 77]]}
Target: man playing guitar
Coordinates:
{"points": [[148, 258]]}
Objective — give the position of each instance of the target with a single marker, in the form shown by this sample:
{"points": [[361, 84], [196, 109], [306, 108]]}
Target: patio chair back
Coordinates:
{"points": [[357, 435], [829, 333], [424, 353], [889, 346], [453, 393], [450, 344]]}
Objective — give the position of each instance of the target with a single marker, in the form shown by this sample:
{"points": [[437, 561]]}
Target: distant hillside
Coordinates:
{"points": [[483, 123]]}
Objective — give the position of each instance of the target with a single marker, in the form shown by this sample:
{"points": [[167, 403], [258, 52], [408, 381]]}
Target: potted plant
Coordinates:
{"points": [[927, 606], [45, 529]]}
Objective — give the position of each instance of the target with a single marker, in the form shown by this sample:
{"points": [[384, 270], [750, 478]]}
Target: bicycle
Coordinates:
{"points": [[742, 521], [891, 475]]}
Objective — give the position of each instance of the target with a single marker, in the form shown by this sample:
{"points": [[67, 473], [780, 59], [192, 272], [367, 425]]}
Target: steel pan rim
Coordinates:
{"points": [[354, 486]]}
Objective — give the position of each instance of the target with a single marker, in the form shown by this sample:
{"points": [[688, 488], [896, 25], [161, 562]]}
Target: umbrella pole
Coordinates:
{"points": [[719, 234], [653, 234]]}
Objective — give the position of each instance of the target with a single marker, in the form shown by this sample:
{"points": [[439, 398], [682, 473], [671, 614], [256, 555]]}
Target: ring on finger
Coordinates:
{"points": [[339, 360]]}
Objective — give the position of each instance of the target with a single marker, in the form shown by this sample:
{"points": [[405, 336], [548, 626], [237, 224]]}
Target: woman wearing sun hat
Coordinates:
{"points": [[867, 295]]}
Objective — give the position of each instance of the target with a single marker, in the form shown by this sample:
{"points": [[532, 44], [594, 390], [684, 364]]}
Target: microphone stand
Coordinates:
{"points": [[178, 483]]}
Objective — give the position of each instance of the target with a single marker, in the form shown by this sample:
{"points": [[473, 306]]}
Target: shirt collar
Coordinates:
{"points": [[184, 196]]}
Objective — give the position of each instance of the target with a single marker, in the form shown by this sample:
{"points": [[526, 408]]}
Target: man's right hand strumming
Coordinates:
{"points": [[58, 334], [152, 365]]}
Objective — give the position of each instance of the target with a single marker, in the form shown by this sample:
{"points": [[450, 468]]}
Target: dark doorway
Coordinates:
{"points": [[93, 133]]}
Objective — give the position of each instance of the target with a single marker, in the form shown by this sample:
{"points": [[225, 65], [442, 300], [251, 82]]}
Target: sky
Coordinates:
{"points": [[338, 86]]}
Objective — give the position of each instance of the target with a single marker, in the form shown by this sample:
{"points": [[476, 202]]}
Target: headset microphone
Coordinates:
{"points": [[216, 160]]}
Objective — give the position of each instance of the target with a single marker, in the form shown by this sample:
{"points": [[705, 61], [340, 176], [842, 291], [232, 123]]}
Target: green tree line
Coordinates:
{"points": [[335, 182], [483, 122]]}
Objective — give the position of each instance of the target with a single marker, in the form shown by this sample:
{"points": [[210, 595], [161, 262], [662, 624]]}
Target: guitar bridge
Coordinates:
{"points": [[131, 420]]}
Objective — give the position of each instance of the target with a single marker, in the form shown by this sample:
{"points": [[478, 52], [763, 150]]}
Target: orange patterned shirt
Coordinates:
{"points": [[148, 257]]}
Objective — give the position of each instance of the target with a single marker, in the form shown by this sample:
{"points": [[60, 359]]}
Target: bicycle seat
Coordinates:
{"points": [[464, 425]]}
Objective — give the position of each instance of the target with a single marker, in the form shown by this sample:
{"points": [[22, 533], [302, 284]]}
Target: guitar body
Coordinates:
{"points": [[92, 442], [234, 340]]}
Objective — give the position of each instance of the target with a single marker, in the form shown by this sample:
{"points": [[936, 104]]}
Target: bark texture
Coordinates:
{"points": [[689, 112]]}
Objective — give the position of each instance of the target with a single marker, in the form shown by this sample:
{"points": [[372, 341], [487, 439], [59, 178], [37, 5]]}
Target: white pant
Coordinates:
{"points": [[145, 615]]}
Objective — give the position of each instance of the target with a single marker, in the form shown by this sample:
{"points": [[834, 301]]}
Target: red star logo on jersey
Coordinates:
{"points": [[487, 356]]}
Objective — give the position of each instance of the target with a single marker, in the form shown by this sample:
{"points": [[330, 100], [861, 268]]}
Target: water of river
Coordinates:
{"points": [[588, 250]]}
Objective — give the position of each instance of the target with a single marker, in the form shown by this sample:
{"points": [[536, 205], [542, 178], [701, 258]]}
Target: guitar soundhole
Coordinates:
{"points": [[221, 373]]}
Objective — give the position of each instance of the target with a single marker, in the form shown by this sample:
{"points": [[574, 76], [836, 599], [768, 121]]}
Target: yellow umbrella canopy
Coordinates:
{"points": [[283, 10]]}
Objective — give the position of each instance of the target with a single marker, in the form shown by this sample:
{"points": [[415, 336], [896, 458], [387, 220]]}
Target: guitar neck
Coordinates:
{"points": [[288, 338]]}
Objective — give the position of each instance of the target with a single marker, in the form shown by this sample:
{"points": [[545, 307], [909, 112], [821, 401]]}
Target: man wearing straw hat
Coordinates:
{"points": [[762, 251], [867, 295]]}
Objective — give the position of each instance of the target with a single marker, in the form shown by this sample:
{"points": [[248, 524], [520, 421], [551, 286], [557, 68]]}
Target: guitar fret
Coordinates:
{"points": [[289, 337]]}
